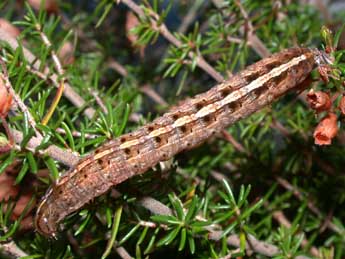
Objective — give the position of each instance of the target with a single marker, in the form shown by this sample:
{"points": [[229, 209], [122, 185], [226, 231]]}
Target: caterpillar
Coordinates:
{"points": [[182, 128]]}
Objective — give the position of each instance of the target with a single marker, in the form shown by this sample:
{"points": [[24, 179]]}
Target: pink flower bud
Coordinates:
{"points": [[326, 130]]}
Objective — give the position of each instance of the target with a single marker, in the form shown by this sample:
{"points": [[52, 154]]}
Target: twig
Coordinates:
{"points": [[252, 39], [146, 89], [164, 31], [49, 46], [68, 92], [280, 217], [99, 101], [237, 145], [58, 154], [257, 246], [122, 252], [113, 64], [77, 134], [190, 16], [156, 207], [300, 196], [7, 147], [60, 72]]}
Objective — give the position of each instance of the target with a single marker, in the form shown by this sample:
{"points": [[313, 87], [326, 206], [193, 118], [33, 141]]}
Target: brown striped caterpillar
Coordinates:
{"points": [[182, 128]]}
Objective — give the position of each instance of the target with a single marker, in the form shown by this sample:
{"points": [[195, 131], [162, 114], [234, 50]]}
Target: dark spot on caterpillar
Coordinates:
{"points": [[272, 65], [206, 118], [233, 106], [281, 76], [85, 176], [183, 129], [198, 106], [175, 117], [150, 128], [251, 77], [225, 92], [127, 151], [123, 140], [158, 139], [60, 192], [256, 93]]}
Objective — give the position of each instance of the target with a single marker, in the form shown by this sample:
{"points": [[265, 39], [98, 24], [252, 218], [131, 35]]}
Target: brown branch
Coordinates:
{"points": [[113, 64], [164, 31], [252, 39], [99, 101], [237, 145], [58, 154], [77, 134], [156, 207], [147, 90], [190, 16]]}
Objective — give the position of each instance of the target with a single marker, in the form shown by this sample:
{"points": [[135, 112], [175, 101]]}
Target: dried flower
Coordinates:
{"points": [[319, 101], [342, 105], [326, 130], [8, 190]]}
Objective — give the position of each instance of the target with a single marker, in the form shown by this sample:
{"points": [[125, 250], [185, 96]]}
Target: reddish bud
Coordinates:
{"points": [[319, 101], [66, 53], [21, 205], [326, 130], [9, 28], [5, 100], [49, 5], [342, 105], [132, 22]]}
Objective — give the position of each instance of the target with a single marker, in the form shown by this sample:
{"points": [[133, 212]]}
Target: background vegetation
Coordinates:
{"points": [[261, 189]]}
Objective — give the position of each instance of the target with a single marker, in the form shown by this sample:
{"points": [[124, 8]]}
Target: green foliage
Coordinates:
{"points": [[212, 201]]}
